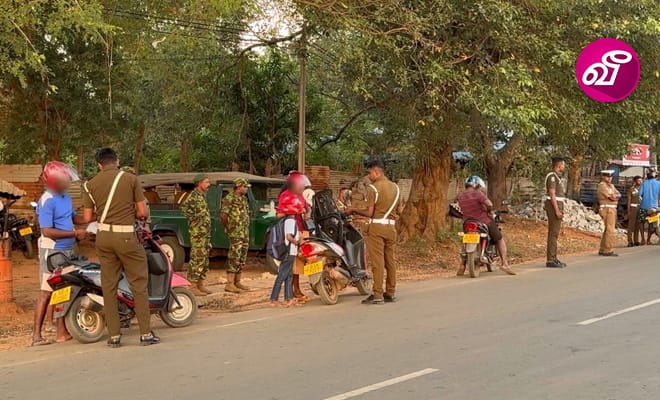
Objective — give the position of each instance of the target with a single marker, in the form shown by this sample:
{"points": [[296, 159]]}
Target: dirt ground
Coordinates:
{"points": [[416, 261]]}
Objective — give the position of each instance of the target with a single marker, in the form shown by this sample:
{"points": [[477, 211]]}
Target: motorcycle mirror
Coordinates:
{"points": [[33, 204]]}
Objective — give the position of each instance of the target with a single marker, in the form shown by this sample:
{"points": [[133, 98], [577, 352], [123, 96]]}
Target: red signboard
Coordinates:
{"points": [[638, 154]]}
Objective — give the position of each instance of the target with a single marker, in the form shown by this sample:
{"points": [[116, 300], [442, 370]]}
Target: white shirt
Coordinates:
{"points": [[291, 228]]}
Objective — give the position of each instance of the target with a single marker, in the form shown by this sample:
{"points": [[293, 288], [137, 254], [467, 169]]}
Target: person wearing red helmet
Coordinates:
{"points": [[290, 205], [295, 185], [57, 221]]}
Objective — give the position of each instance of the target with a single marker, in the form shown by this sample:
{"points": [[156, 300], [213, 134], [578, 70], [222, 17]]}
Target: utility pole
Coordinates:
{"points": [[302, 55]]}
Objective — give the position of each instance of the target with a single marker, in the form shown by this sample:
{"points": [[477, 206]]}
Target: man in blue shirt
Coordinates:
{"points": [[58, 234], [649, 194]]}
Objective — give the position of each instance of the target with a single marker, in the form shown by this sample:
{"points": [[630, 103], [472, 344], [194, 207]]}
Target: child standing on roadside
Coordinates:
{"points": [[290, 206]]}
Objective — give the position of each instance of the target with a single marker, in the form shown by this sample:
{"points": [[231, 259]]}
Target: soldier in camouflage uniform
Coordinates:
{"points": [[235, 215], [196, 210]]}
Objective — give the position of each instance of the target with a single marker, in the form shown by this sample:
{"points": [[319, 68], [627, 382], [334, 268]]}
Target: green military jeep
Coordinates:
{"points": [[166, 192]]}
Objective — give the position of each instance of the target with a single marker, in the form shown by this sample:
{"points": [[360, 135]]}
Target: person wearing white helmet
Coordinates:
{"points": [[58, 234], [475, 205]]}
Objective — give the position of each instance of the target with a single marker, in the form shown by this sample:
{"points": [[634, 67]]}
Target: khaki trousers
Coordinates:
{"points": [[119, 251], [608, 215], [633, 225], [380, 242], [554, 227]]}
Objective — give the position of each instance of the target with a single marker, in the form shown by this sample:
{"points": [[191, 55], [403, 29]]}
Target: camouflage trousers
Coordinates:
{"points": [[238, 249], [199, 258]]}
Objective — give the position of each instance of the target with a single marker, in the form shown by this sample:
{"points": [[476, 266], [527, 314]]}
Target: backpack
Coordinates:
{"points": [[277, 246]]}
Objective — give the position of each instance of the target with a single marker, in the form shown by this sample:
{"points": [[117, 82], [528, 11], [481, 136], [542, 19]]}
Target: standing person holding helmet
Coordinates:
{"points": [[476, 205], [555, 187], [382, 199], [115, 199], [58, 234]]}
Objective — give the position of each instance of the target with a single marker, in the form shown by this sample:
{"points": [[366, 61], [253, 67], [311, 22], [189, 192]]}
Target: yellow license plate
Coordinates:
{"points": [[60, 296], [313, 268], [25, 231], [653, 218], [471, 238]]}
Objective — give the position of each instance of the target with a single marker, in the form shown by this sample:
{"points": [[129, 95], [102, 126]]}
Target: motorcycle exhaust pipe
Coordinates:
{"points": [[93, 302], [339, 275]]}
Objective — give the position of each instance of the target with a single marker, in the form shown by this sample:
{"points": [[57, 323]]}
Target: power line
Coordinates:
{"points": [[209, 26]]}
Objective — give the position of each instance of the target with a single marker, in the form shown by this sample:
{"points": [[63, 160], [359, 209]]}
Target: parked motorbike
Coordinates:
{"points": [[22, 235], [478, 247], [78, 297], [333, 249], [652, 218]]}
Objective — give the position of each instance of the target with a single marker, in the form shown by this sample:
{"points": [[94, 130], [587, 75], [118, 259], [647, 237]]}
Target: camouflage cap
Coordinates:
{"points": [[199, 177], [241, 182]]}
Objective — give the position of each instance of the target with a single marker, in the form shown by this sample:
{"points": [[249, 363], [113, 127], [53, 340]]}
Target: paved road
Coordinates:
{"points": [[496, 337]]}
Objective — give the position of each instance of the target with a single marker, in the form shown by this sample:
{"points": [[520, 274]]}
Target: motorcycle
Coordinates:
{"points": [[652, 218], [478, 247], [78, 298], [22, 235], [334, 246]]}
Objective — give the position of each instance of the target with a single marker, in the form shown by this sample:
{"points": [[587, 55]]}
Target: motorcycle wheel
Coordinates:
{"points": [[473, 267], [327, 290], [85, 325], [180, 317], [365, 286], [28, 249]]}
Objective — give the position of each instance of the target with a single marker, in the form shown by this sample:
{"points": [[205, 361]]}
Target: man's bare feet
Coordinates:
{"points": [[507, 269], [64, 339]]}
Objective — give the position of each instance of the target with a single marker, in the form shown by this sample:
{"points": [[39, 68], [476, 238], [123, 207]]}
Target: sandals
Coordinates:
{"points": [[41, 342], [294, 303]]}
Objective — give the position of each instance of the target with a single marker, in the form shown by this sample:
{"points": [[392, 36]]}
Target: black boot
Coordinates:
{"points": [[151, 338], [114, 342]]}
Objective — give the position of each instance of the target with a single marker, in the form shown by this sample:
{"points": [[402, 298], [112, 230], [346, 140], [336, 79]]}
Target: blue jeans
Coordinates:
{"points": [[284, 276]]}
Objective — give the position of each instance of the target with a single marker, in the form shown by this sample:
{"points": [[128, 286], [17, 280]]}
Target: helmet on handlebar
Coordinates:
{"points": [[57, 172], [475, 181]]}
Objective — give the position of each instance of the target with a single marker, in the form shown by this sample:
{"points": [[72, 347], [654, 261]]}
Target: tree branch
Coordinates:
{"points": [[340, 131]]}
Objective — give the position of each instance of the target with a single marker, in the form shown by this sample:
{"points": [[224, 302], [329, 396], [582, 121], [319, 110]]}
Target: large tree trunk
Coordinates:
{"points": [[575, 175], [80, 160], [497, 162], [139, 148], [426, 210]]}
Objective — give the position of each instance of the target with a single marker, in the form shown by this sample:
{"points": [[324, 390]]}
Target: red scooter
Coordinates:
{"points": [[78, 297]]}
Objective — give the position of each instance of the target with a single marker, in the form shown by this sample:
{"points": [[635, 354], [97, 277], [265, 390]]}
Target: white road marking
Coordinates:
{"points": [[383, 384], [615, 313]]}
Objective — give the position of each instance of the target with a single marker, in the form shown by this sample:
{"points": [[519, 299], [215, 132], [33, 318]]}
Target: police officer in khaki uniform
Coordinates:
{"points": [[116, 199], [608, 198], [382, 199], [555, 188]]}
